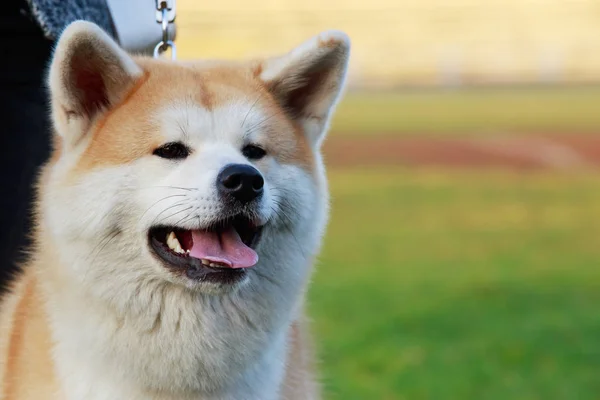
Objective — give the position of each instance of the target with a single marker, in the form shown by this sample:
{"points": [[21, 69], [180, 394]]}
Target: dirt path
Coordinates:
{"points": [[564, 151]]}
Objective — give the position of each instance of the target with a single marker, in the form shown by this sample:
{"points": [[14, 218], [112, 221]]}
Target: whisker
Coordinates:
{"points": [[178, 212], [102, 245], [263, 121], [181, 203], [283, 211], [260, 94], [161, 187], [183, 129], [164, 198], [289, 229], [187, 218]]}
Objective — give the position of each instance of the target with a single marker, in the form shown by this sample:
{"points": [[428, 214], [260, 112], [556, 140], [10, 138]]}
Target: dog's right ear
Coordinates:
{"points": [[89, 74]]}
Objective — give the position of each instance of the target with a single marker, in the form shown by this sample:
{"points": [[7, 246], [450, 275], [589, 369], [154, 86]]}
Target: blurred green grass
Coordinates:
{"points": [[460, 285], [471, 111]]}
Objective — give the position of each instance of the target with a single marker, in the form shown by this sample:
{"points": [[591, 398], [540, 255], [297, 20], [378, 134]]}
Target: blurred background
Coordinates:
{"points": [[462, 259]]}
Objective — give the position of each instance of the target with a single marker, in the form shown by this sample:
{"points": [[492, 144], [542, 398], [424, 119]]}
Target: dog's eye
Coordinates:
{"points": [[253, 152], [174, 151]]}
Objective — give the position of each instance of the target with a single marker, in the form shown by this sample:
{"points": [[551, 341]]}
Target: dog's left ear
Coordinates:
{"points": [[308, 81]]}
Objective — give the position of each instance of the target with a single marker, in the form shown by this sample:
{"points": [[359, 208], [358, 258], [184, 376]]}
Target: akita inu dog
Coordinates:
{"points": [[177, 222]]}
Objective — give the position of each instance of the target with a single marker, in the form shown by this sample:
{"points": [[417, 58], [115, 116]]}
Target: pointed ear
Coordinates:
{"points": [[89, 74], [308, 81]]}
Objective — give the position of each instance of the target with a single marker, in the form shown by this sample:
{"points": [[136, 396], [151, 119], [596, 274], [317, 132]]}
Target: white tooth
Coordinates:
{"points": [[205, 262], [170, 238], [173, 243], [213, 265]]}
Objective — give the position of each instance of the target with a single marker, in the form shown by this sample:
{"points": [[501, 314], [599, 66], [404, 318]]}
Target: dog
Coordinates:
{"points": [[177, 222]]}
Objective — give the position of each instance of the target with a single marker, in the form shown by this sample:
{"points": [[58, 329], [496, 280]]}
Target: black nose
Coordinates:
{"points": [[242, 182]]}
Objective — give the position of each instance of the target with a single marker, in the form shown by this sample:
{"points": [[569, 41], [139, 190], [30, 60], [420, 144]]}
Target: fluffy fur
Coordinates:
{"points": [[96, 316]]}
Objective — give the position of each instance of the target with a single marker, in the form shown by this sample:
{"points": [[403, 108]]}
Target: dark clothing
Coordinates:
{"points": [[53, 15], [24, 126], [28, 30]]}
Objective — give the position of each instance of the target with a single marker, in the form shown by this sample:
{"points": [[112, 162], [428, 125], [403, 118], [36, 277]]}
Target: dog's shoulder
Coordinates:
{"points": [[25, 343], [300, 381]]}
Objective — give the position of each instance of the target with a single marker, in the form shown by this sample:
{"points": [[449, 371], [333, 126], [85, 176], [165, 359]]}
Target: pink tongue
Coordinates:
{"points": [[225, 248]]}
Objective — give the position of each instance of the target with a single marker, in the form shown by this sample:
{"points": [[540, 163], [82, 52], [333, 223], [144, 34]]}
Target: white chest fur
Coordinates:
{"points": [[177, 346]]}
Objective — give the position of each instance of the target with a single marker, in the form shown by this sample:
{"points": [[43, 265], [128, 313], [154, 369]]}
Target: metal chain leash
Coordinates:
{"points": [[165, 15]]}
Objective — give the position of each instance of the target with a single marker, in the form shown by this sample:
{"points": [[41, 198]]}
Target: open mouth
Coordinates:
{"points": [[220, 253]]}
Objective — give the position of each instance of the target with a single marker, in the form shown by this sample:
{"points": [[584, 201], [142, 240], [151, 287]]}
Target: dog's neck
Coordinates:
{"points": [[166, 342]]}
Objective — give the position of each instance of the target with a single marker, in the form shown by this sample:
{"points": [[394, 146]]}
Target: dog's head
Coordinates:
{"points": [[204, 175]]}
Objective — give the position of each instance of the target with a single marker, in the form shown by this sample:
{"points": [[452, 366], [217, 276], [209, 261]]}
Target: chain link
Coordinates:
{"points": [[165, 16]]}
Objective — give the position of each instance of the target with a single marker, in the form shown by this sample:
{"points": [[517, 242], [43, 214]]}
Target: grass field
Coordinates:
{"points": [[471, 111], [460, 285]]}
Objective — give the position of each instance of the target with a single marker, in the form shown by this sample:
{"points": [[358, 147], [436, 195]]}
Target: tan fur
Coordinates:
{"points": [[208, 86], [27, 371], [300, 382], [126, 130]]}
